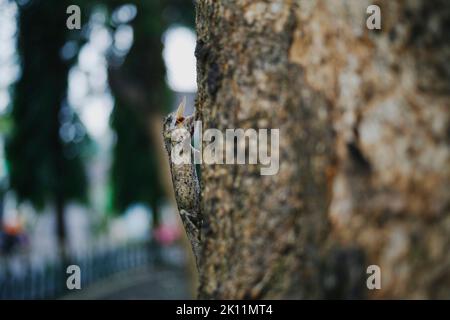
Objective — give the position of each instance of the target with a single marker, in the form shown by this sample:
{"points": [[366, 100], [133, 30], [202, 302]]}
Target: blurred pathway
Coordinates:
{"points": [[161, 282]]}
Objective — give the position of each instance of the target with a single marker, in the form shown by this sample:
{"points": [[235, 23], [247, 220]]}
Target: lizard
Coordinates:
{"points": [[177, 130]]}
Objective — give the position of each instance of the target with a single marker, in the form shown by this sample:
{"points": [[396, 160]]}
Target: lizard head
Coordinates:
{"points": [[176, 127]]}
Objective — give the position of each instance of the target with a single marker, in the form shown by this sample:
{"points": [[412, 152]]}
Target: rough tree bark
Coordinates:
{"points": [[364, 148]]}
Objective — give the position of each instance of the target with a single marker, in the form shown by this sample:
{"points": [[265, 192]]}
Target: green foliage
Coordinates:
{"points": [[41, 165], [134, 172]]}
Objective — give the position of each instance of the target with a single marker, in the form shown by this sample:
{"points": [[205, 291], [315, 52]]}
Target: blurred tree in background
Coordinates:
{"points": [[134, 172], [137, 81], [47, 141]]}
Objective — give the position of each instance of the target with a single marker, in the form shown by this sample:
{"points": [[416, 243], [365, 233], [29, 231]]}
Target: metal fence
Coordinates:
{"points": [[49, 281]]}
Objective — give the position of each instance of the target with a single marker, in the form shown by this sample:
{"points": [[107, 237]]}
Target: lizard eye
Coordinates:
{"points": [[179, 120]]}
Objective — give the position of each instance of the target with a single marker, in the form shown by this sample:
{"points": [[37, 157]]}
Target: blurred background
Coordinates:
{"points": [[83, 174]]}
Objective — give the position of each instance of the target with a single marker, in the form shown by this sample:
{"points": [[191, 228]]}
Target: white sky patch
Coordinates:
{"points": [[179, 48], [9, 68], [4, 100], [124, 14], [123, 38], [95, 114], [78, 85], [88, 84]]}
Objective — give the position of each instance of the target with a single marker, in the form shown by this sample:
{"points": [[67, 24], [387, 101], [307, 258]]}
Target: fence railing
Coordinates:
{"points": [[49, 281]]}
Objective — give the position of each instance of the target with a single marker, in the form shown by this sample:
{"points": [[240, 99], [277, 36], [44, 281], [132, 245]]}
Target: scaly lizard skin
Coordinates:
{"points": [[184, 176]]}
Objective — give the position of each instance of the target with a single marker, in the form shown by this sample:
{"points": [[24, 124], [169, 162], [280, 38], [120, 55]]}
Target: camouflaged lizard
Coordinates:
{"points": [[177, 130]]}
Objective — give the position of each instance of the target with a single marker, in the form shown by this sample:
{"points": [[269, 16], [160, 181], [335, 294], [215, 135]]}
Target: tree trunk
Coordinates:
{"points": [[364, 148], [61, 230], [2, 210]]}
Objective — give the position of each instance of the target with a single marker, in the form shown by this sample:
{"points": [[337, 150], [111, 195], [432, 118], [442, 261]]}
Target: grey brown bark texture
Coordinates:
{"points": [[364, 148]]}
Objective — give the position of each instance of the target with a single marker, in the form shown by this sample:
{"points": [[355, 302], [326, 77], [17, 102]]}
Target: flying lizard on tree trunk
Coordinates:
{"points": [[177, 133]]}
